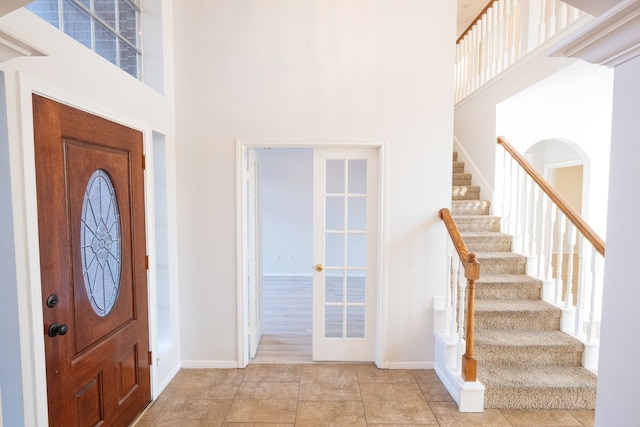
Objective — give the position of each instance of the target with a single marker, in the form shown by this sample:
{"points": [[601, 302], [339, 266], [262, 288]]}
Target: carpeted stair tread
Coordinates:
{"points": [[485, 241], [458, 167], [501, 262], [509, 348], [527, 339], [507, 286], [509, 314], [465, 192], [538, 387], [470, 207], [455, 156], [477, 223], [461, 178]]}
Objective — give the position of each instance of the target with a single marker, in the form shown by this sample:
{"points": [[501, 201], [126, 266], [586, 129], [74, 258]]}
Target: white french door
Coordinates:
{"points": [[345, 200]]}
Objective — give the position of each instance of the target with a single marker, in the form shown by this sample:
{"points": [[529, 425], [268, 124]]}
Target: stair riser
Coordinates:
{"points": [[517, 321], [455, 156], [487, 223], [506, 292], [458, 167], [493, 355], [501, 266], [480, 207], [524, 398]]}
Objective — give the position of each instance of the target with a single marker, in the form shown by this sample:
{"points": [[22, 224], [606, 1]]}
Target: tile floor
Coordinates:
{"points": [[273, 395]]}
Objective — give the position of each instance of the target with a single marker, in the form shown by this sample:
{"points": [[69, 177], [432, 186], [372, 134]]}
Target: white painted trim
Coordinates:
{"points": [[611, 39], [383, 182], [28, 261], [209, 364], [305, 275], [409, 365]]}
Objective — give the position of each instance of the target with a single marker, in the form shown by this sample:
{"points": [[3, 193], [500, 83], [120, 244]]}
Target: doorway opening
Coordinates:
{"points": [[309, 251]]}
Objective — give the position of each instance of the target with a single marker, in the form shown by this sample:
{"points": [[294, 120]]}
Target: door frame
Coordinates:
{"points": [[34, 379], [382, 253]]}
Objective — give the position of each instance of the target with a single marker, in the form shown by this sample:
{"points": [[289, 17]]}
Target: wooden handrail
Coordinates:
{"points": [[562, 204], [471, 267], [475, 20]]}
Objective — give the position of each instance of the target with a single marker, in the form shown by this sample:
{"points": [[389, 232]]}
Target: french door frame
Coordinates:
{"points": [[33, 373], [242, 293]]}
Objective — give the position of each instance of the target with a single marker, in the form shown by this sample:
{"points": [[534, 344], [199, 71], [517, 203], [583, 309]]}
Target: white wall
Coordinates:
{"points": [[305, 71], [618, 379], [287, 211], [574, 105], [73, 74]]}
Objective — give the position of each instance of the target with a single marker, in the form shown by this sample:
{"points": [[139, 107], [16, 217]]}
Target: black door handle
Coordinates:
{"points": [[57, 329]]}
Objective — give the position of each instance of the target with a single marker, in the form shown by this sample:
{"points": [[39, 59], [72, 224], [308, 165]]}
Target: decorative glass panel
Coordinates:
{"points": [[335, 176], [77, 23], [357, 176], [357, 216], [334, 250], [333, 287], [355, 322], [101, 245], [335, 213], [333, 321]]}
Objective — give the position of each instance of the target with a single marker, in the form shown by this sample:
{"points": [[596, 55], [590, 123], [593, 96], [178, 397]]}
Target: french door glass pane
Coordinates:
{"points": [[357, 216], [355, 286], [355, 322], [333, 287], [333, 321], [356, 250], [335, 176], [334, 250], [357, 176], [335, 213]]}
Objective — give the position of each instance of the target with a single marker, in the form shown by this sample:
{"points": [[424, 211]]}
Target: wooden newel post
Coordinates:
{"points": [[469, 363]]}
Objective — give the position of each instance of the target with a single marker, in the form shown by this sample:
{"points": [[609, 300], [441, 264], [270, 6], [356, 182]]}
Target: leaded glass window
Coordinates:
{"points": [[109, 27], [101, 244]]}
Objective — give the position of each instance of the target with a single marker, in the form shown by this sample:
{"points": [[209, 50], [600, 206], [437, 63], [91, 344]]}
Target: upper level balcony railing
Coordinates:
{"points": [[502, 34]]}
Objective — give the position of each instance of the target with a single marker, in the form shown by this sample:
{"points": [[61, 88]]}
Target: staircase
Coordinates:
{"points": [[524, 360]]}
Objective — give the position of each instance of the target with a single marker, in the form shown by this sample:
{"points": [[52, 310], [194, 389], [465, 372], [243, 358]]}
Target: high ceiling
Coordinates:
{"points": [[467, 12]]}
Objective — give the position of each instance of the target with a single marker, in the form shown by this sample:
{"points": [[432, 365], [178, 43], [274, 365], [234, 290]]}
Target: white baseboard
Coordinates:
{"points": [[210, 364], [408, 365]]}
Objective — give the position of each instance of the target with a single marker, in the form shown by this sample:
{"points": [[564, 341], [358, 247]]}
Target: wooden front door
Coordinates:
{"points": [[91, 224]]}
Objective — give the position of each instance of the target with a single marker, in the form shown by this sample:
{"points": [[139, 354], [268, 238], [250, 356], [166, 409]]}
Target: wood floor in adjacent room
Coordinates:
{"points": [[286, 337]]}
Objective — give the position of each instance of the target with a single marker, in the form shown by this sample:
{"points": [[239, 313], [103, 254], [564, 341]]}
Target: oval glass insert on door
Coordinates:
{"points": [[101, 244]]}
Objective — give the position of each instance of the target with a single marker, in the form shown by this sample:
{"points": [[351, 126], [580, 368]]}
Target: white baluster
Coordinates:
{"points": [[582, 283], [595, 273], [540, 228], [562, 15], [506, 177], [561, 224], [548, 251], [502, 26], [526, 214], [453, 284], [571, 248], [461, 306]]}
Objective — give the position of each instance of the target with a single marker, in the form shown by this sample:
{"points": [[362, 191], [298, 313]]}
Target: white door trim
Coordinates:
{"points": [[242, 297], [24, 202]]}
